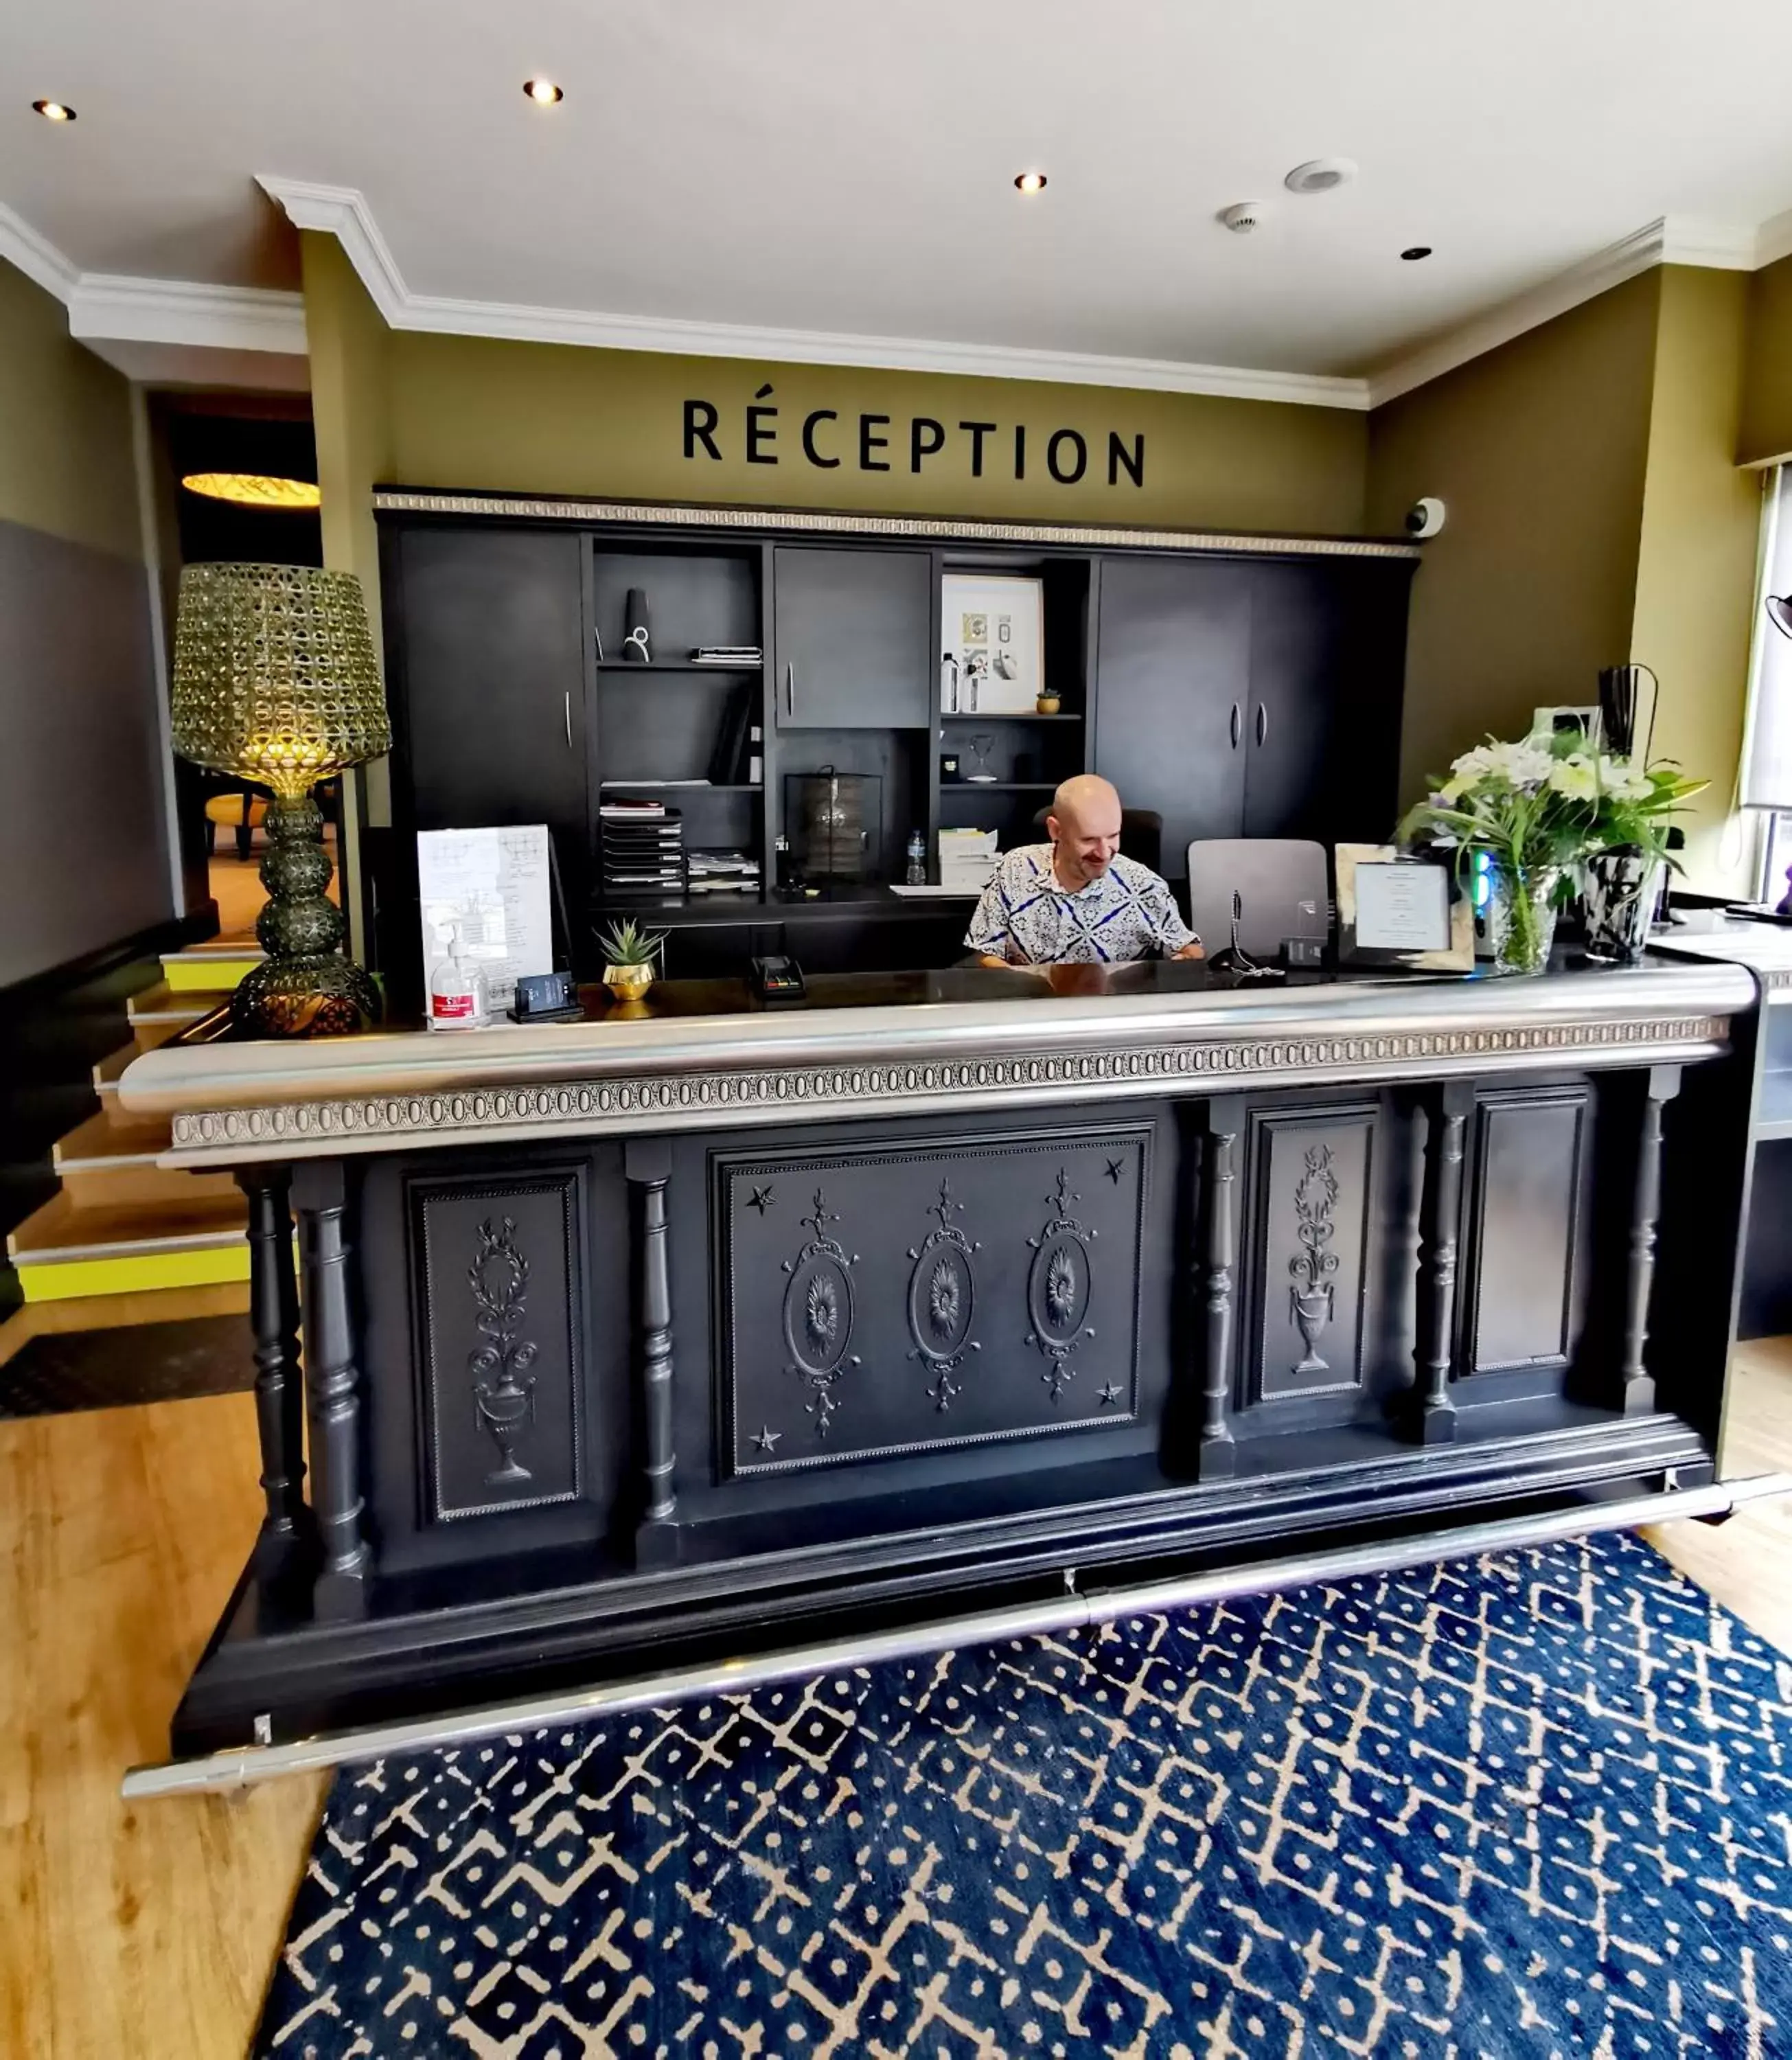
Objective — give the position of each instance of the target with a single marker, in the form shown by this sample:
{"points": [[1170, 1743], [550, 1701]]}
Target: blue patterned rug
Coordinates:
{"points": [[1539, 1803]]}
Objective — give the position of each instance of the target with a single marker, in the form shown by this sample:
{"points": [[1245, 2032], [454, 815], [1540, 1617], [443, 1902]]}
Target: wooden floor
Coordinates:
{"points": [[149, 1932]]}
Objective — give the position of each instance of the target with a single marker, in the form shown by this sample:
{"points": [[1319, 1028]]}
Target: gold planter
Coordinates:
{"points": [[628, 983]]}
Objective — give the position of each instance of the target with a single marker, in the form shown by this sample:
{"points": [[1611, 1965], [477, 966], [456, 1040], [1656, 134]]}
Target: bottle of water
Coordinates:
{"points": [[916, 874]]}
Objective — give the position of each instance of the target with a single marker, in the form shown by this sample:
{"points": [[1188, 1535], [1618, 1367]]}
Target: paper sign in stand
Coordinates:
{"points": [[496, 886]]}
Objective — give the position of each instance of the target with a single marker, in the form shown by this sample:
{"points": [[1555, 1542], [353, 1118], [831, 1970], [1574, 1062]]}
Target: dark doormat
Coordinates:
{"points": [[135, 1363]]}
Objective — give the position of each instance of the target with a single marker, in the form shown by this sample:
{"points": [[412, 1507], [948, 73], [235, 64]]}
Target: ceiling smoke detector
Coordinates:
{"points": [[1320, 175], [1242, 216]]}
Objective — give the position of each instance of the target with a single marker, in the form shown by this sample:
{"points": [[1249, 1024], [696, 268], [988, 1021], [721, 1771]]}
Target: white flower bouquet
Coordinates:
{"points": [[1540, 809]]}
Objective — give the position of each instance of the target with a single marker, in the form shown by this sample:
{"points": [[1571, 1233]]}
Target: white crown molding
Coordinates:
{"points": [[116, 308], [35, 255], [1597, 275], [1670, 240], [1717, 245], [1774, 240], [113, 308], [343, 212]]}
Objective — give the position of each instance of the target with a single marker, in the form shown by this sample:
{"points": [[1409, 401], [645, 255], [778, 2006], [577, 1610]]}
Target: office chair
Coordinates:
{"points": [[1282, 887]]}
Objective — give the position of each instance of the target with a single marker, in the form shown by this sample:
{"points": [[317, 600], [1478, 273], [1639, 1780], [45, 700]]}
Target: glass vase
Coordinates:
{"points": [[1621, 888], [1521, 915]]}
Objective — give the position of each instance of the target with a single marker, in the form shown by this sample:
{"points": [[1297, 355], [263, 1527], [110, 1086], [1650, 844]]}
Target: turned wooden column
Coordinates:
{"points": [[1218, 1454], [647, 1162], [333, 1392], [1433, 1418], [1636, 1385], [279, 1396]]}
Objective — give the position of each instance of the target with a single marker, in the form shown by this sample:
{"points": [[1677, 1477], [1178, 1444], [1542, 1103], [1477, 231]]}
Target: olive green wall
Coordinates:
{"points": [[1696, 565], [540, 418], [349, 345], [83, 833], [1539, 450], [1766, 428], [1596, 514], [66, 468]]}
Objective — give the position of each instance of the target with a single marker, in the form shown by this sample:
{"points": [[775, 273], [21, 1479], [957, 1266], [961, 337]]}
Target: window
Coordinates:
{"points": [[1766, 775]]}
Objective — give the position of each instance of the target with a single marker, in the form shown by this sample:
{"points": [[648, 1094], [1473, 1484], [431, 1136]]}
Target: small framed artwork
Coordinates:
{"points": [[993, 631], [1396, 910]]}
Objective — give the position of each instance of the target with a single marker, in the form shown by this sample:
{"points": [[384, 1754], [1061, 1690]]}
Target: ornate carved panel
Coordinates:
{"points": [[500, 1343], [1309, 1175], [1523, 1240], [928, 1295], [943, 1298]]}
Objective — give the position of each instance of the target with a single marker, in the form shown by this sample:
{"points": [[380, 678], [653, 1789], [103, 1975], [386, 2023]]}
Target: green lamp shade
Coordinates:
{"points": [[276, 679]]}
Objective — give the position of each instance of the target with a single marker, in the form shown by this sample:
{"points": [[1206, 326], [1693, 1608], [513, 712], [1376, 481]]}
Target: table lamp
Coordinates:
{"points": [[276, 680]]}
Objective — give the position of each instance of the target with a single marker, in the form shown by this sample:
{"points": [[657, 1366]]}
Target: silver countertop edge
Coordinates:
{"points": [[232, 1103], [166, 1079]]}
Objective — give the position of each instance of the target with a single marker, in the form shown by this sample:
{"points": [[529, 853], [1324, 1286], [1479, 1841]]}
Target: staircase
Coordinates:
{"points": [[118, 1223]]}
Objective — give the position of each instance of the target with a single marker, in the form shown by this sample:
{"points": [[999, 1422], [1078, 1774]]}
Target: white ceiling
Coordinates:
{"points": [[845, 166]]}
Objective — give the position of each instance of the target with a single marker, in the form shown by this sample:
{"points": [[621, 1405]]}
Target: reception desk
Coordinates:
{"points": [[667, 1337]]}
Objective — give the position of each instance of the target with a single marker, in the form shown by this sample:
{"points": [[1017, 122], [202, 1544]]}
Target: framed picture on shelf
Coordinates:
{"points": [[993, 631]]}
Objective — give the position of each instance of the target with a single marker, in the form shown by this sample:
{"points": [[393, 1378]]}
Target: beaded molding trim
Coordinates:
{"points": [[395, 502], [680, 1099]]}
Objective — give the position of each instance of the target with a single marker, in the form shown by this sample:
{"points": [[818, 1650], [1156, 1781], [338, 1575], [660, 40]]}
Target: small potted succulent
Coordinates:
{"points": [[629, 954]]}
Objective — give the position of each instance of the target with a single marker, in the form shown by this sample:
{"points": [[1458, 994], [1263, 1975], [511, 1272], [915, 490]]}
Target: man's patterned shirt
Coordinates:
{"points": [[1127, 913]]}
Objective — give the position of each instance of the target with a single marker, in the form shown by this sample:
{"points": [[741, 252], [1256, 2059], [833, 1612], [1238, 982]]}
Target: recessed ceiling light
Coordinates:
{"points": [[253, 489], [1030, 182], [543, 92], [1415, 251], [1320, 175], [53, 110]]}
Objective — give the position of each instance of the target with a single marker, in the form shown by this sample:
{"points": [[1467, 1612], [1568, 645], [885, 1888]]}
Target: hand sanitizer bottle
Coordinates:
{"points": [[457, 989]]}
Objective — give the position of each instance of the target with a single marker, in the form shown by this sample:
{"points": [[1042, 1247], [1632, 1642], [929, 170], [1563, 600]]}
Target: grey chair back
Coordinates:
{"points": [[1281, 882]]}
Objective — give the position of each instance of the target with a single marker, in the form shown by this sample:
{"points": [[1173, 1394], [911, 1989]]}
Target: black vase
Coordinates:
{"points": [[636, 645], [1620, 887]]}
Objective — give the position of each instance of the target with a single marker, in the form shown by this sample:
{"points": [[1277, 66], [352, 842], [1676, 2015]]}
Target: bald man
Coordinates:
{"points": [[1075, 900]]}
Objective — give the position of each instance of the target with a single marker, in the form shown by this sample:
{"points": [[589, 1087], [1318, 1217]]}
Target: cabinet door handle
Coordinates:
{"points": [[569, 719], [790, 691], [1238, 724], [1263, 722]]}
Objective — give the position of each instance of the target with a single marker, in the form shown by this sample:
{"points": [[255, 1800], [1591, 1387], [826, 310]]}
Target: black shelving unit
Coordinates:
{"points": [[1229, 692]]}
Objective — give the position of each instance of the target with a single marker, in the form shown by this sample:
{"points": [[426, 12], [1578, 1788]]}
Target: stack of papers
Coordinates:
{"points": [[967, 859], [722, 872], [727, 654]]}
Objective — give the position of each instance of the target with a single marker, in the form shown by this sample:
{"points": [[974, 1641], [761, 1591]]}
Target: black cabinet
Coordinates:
{"points": [[488, 622], [1172, 680], [1242, 699], [852, 638], [1322, 732]]}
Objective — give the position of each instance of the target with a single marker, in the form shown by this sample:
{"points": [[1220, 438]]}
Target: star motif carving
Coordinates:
{"points": [[1110, 1393], [762, 1198], [767, 1441], [1114, 1171]]}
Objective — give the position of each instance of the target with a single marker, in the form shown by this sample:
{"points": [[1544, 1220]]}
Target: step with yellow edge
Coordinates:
{"points": [[212, 968], [121, 1225], [61, 1250]]}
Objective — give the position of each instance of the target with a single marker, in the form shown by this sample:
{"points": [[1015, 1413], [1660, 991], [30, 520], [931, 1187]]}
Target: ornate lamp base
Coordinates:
{"points": [[306, 987]]}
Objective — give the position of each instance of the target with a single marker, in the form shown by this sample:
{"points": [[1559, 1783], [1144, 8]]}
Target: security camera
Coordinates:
{"points": [[1425, 518]]}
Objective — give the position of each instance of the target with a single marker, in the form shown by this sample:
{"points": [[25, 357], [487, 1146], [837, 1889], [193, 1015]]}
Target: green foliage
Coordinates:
{"points": [[1550, 802], [626, 944]]}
